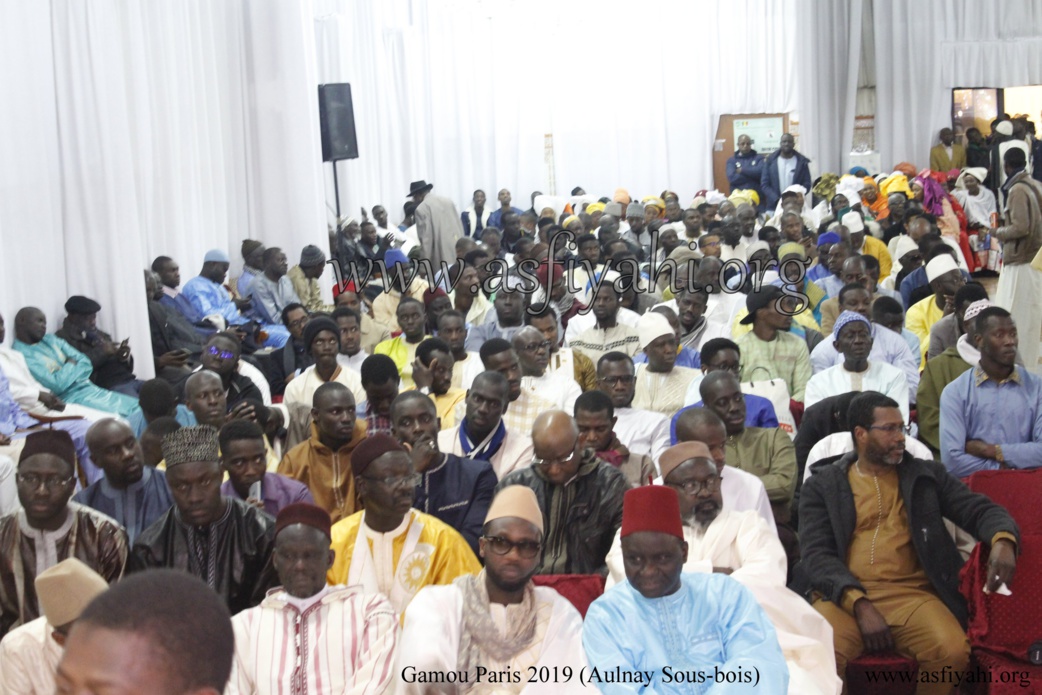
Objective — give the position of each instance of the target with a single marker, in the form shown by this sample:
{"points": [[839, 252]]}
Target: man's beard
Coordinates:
{"points": [[701, 521]]}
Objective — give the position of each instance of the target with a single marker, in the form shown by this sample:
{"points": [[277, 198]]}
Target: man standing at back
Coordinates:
{"points": [[438, 225], [783, 168], [948, 154], [1020, 282]]}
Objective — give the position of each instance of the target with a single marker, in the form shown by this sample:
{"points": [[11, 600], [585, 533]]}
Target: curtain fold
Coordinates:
{"points": [[141, 129]]}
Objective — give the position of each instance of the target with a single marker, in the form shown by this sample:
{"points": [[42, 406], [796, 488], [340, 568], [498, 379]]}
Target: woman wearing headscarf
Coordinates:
{"points": [[979, 204], [872, 201], [936, 201]]}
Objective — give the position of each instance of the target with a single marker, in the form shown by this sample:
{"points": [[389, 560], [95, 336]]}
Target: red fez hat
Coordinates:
{"points": [[55, 442], [372, 448], [543, 271], [349, 287], [303, 513], [652, 508], [430, 295]]}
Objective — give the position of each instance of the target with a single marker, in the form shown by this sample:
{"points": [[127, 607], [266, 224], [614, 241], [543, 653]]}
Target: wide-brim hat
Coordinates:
{"points": [[419, 187]]}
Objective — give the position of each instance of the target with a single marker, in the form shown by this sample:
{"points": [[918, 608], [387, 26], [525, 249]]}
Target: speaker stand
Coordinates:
{"points": [[336, 192]]}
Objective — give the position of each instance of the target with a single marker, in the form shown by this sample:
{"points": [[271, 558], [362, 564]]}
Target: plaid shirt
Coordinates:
{"points": [[521, 414], [376, 423], [785, 358]]}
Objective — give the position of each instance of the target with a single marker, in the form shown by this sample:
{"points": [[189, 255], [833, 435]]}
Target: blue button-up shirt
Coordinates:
{"points": [[1007, 414]]}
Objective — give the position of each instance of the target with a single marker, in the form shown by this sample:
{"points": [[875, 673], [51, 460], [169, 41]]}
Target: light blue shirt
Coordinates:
{"points": [[1009, 415], [183, 415], [712, 624], [207, 297], [786, 172], [270, 298]]}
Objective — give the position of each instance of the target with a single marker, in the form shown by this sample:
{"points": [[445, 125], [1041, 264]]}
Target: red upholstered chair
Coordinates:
{"points": [[859, 683], [579, 589], [1003, 628], [1020, 492]]}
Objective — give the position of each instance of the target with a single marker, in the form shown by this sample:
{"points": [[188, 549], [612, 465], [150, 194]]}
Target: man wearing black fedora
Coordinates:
{"points": [[438, 225]]}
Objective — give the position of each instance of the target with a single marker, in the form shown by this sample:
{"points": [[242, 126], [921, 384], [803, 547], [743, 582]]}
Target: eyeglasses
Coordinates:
{"points": [[889, 429], [616, 380], [530, 347], [503, 546], [550, 463], [51, 482], [397, 481], [693, 487], [217, 352], [298, 323]]}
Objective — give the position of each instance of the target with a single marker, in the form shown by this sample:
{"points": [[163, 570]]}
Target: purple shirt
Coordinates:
{"points": [[277, 491]]}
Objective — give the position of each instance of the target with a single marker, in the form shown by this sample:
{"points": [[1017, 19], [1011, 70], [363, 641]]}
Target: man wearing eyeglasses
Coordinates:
{"points": [[743, 545], [497, 619], [641, 431], [49, 528], [533, 354], [391, 548], [580, 495], [877, 560], [224, 541]]}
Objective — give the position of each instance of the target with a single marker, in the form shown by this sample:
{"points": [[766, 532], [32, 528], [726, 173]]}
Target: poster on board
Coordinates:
{"points": [[765, 132]]}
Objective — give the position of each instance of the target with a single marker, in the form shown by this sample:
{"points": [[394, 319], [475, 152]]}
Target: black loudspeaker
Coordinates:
{"points": [[337, 117]]}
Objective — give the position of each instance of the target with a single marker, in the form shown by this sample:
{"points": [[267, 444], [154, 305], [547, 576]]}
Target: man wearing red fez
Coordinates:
{"points": [[741, 544], [391, 548], [669, 632], [325, 639], [48, 528]]}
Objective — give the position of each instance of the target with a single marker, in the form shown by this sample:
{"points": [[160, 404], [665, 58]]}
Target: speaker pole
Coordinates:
{"points": [[336, 192]]}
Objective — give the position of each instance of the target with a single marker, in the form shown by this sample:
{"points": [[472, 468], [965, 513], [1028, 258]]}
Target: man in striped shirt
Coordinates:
{"points": [[307, 636]]}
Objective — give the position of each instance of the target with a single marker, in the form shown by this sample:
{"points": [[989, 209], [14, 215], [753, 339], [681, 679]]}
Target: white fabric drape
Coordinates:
{"points": [[461, 93], [140, 129], [827, 100], [925, 49]]}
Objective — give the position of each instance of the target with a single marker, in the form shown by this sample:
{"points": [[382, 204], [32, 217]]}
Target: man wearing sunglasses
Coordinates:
{"points": [[49, 528], [740, 543], [580, 495], [459, 627]]}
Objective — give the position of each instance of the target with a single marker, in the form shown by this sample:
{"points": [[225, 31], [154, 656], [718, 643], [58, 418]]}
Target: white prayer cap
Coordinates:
{"points": [[979, 173], [795, 188], [904, 245], [756, 246], [518, 502], [652, 326], [65, 589], [1004, 128], [853, 221], [975, 308], [939, 266], [715, 197]]}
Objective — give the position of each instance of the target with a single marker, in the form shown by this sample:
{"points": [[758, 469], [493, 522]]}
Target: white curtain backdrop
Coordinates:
{"points": [[925, 49], [132, 130], [462, 93]]}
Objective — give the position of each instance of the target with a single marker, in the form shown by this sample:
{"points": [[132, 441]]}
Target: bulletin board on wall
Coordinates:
{"points": [[763, 128]]}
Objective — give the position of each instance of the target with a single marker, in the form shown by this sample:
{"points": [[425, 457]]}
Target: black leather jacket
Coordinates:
{"points": [[245, 537], [580, 519]]}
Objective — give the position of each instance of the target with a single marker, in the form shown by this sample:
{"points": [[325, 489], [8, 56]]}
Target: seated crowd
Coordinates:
{"points": [[741, 417]]}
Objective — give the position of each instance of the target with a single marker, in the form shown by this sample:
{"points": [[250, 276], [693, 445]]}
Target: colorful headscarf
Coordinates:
{"points": [[826, 185], [906, 168], [895, 183], [747, 195], [881, 208], [933, 194]]}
